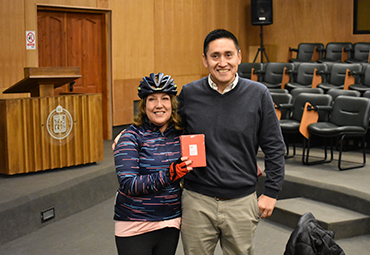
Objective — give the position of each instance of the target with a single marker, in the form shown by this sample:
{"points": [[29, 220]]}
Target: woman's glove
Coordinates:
{"points": [[177, 170]]}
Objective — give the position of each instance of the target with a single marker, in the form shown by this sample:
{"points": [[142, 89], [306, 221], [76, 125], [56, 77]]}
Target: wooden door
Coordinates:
{"points": [[76, 39]]}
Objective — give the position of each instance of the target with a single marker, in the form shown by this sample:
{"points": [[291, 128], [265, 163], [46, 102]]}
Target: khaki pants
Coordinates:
{"points": [[205, 220]]}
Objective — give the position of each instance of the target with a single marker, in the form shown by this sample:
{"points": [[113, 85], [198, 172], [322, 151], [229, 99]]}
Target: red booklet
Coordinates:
{"points": [[193, 147]]}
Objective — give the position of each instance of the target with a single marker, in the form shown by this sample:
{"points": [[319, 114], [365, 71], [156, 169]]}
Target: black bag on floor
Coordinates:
{"points": [[309, 238]]}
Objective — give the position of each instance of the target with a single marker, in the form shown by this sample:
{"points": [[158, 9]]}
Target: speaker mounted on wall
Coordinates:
{"points": [[261, 12]]}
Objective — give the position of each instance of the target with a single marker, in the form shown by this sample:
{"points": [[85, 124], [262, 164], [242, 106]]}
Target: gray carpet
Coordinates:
{"points": [[83, 199], [91, 232]]}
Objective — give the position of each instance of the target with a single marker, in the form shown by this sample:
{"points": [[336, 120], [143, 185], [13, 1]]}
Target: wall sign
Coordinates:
{"points": [[30, 40]]}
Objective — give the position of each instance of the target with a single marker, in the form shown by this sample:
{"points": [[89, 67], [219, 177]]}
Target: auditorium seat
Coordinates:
{"points": [[305, 52], [295, 92], [364, 82], [281, 99], [341, 92], [304, 75], [273, 72], [360, 53], [290, 126], [349, 117], [333, 52], [366, 94], [337, 74], [244, 69]]}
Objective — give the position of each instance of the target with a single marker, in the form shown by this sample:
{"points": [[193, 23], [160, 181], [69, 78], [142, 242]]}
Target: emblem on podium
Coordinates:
{"points": [[59, 123]]}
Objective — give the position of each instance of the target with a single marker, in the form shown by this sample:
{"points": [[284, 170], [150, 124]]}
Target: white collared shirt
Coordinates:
{"points": [[228, 88]]}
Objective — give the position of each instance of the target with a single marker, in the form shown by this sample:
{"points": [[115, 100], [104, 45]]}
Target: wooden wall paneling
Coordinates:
{"points": [[27, 141], [31, 129], [306, 21], [184, 79], [85, 133], [178, 38], [107, 79], [57, 148], [95, 116], [229, 15], [76, 3], [30, 14], [12, 57], [49, 147], [33, 133], [3, 135], [78, 139], [65, 148], [220, 14], [119, 103], [88, 135], [37, 123], [25, 133], [16, 152], [54, 153], [45, 148], [244, 18], [133, 34], [102, 3], [91, 116], [126, 94]]}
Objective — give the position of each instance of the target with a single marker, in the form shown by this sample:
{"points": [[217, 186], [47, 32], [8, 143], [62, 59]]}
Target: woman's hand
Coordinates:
{"points": [[179, 169]]}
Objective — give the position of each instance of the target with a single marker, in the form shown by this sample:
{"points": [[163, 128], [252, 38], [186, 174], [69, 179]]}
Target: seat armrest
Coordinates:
{"points": [[347, 49], [292, 49], [324, 108], [323, 72], [355, 73], [284, 106], [287, 71]]}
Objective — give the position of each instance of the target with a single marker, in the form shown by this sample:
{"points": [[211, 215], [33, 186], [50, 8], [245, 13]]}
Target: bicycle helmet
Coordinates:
{"points": [[156, 83]]}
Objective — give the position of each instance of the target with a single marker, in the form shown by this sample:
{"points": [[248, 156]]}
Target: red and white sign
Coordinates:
{"points": [[30, 40]]}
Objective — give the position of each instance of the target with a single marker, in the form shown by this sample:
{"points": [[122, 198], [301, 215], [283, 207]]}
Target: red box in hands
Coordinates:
{"points": [[193, 147]]}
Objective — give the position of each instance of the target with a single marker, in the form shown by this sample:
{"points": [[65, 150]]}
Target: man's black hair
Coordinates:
{"points": [[218, 34]]}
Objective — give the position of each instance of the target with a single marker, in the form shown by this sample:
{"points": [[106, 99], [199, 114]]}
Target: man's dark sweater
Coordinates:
{"points": [[235, 125]]}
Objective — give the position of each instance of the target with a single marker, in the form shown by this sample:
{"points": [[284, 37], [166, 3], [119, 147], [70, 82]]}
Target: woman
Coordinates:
{"points": [[149, 168]]}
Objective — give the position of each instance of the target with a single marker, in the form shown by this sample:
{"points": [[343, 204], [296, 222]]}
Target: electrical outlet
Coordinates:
{"points": [[47, 214]]}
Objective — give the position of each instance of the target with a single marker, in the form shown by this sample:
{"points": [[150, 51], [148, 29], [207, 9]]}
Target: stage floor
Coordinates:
{"points": [[83, 200]]}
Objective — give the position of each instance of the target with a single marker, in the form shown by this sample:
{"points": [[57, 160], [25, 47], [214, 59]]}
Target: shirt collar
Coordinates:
{"points": [[228, 88]]}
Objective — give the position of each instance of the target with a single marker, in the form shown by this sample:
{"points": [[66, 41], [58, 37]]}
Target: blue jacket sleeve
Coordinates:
{"points": [[131, 182]]}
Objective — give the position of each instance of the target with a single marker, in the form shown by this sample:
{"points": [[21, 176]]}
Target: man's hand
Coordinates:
{"points": [[266, 205], [116, 139]]}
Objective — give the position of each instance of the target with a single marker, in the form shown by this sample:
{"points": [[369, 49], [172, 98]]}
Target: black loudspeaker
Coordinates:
{"points": [[261, 12]]}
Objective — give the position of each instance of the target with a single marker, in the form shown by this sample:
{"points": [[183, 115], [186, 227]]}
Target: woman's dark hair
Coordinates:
{"points": [[218, 34]]}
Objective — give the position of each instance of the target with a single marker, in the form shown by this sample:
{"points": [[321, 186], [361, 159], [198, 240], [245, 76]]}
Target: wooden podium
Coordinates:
{"points": [[46, 131]]}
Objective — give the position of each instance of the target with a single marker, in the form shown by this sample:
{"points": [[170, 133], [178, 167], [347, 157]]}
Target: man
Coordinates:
{"points": [[237, 117]]}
